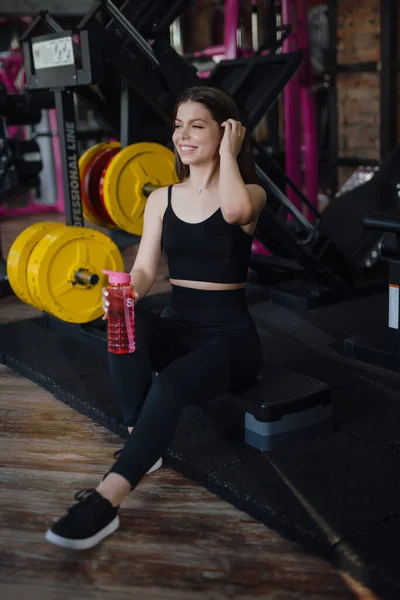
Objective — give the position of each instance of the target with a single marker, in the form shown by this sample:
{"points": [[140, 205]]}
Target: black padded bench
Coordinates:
{"points": [[284, 406]]}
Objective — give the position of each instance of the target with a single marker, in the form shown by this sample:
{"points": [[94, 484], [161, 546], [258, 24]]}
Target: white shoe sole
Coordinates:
{"points": [[156, 466], [82, 544]]}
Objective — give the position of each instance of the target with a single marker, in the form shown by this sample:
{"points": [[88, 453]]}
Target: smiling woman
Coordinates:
{"points": [[205, 342], [209, 108], [212, 149]]}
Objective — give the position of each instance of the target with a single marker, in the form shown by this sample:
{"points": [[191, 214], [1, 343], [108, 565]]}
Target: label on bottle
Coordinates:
{"points": [[129, 322]]}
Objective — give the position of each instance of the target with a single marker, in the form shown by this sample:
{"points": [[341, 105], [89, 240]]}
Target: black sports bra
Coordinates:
{"points": [[212, 250]]}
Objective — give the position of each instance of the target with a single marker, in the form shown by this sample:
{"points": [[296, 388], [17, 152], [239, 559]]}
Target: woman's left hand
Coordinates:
{"points": [[233, 138]]}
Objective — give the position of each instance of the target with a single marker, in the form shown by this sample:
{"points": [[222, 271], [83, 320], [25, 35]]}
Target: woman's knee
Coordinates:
{"points": [[163, 395], [163, 386]]}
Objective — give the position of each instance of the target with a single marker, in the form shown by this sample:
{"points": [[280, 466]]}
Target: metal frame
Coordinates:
{"points": [[292, 105], [388, 79], [23, 8], [244, 68], [61, 80], [231, 22], [333, 110], [11, 65], [299, 107], [66, 125]]}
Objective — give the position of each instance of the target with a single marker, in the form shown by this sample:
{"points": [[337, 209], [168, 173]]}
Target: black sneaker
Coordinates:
{"points": [[86, 523]]}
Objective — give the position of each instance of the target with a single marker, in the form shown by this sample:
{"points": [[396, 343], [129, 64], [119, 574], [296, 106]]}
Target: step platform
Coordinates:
{"points": [[284, 406]]}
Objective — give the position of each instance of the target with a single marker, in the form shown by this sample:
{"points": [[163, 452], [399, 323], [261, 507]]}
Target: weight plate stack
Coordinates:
{"points": [[124, 179], [65, 272], [18, 257], [90, 184], [85, 165]]}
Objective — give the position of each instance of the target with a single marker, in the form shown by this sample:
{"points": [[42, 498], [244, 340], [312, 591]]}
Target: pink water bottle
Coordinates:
{"points": [[121, 313]]}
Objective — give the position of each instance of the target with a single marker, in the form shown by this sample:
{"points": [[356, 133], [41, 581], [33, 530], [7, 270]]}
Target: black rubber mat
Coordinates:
{"points": [[374, 549], [337, 495]]}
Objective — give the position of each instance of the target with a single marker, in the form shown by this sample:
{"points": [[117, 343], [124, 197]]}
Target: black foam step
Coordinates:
{"points": [[279, 392]]}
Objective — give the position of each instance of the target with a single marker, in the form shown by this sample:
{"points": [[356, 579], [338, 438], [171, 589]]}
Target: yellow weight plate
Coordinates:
{"points": [[53, 265], [83, 162], [18, 257], [127, 174]]}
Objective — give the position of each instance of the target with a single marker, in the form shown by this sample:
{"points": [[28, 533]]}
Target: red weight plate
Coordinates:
{"points": [[101, 184], [87, 207], [91, 180]]}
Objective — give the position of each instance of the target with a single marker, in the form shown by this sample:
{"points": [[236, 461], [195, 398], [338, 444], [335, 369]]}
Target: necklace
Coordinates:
{"points": [[200, 190]]}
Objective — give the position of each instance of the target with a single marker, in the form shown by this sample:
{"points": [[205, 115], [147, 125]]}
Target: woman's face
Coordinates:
{"points": [[196, 136]]}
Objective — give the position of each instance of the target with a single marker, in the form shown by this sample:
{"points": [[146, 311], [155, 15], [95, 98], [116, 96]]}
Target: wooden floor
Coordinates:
{"points": [[176, 541]]}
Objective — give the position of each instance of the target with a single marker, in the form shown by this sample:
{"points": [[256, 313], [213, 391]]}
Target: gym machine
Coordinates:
{"points": [[20, 159], [308, 259], [380, 345], [331, 258], [43, 267], [64, 61]]}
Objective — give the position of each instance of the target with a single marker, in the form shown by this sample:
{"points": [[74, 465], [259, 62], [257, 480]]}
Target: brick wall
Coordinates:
{"points": [[358, 41], [358, 113]]}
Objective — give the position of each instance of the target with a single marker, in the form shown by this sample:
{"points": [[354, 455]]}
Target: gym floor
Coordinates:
{"points": [[178, 539]]}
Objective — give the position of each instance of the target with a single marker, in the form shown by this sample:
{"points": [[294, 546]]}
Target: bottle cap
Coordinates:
{"points": [[115, 277]]}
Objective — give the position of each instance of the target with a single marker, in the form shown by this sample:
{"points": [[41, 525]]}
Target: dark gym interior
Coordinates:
{"points": [[288, 489]]}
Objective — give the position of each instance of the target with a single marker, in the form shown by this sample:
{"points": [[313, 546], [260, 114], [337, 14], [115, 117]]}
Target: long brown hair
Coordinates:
{"points": [[221, 106]]}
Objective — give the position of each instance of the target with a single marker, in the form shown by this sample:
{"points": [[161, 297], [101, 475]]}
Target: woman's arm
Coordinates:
{"points": [[240, 203], [144, 270]]}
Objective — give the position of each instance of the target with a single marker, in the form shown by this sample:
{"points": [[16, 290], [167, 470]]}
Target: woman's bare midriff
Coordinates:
{"points": [[207, 285]]}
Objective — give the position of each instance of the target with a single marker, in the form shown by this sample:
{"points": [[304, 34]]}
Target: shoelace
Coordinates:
{"points": [[83, 496]]}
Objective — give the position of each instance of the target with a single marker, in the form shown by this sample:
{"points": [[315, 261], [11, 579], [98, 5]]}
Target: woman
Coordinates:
{"points": [[205, 342]]}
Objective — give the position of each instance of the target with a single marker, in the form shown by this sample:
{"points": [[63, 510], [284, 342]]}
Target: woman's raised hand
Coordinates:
{"points": [[233, 137]]}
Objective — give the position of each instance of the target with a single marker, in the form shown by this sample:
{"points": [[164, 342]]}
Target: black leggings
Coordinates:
{"points": [[202, 345]]}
